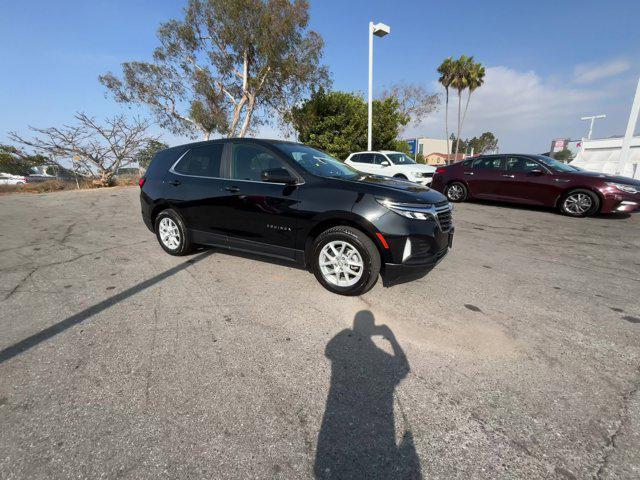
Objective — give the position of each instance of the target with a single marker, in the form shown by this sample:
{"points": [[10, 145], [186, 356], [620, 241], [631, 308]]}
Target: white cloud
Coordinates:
{"points": [[593, 72], [522, 109]]}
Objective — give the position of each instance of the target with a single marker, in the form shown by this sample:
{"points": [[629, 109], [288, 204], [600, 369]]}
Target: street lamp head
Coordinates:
{"points": [[380, 29]]}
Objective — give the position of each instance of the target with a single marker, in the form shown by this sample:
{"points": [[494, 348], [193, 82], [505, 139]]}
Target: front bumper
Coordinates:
{"points": [[418, 264], [620, 202]]}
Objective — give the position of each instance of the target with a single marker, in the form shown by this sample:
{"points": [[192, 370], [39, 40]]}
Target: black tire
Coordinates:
{"points": [[399, 176], [184, 246], [456, 192], [367, 251], [575, 203]]}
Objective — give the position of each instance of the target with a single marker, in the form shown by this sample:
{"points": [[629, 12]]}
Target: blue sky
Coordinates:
{"points": [[548, 62]]}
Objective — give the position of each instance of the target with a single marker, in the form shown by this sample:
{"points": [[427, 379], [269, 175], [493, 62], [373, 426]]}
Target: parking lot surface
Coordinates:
{"points": [[517, 357]]}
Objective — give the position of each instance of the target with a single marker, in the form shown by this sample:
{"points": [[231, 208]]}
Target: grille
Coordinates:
{"points": [[445, 219], [427, 175]]}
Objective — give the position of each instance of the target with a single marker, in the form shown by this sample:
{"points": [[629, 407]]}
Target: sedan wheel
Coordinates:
{"points": [[456, 192], [579, 203]]}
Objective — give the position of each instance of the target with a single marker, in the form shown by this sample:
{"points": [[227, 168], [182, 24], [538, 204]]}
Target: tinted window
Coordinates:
{"points": [[317, 162], [521, 164], [401, 158], [365, 158], [201, 161], [249, 161], [378, 159], [487, 163]]}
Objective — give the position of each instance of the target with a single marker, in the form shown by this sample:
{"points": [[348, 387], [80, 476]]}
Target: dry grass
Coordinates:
{"points": [[60, 185]]}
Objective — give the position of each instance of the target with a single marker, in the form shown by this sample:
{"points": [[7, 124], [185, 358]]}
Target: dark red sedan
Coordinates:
{"points": [[537, 180]]}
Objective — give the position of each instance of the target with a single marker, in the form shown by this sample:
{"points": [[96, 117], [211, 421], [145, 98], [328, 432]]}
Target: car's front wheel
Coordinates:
{"points": [[345, 261], [579, 203], [172, 233], [456, 192]]}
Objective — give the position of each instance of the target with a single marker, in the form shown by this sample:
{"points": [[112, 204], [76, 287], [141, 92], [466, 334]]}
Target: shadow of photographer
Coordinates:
{"points": [[357, 438]]}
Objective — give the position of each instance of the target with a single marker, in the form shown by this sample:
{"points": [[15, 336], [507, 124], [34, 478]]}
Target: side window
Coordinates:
{"points": [[491, 163], [366, 158], [201, 161], [249, 161], [378, 159], [521, 164], [356, 158]]}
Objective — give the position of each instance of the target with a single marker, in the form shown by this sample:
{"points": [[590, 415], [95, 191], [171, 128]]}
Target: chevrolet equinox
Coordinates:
{"points": [[295, 203]]}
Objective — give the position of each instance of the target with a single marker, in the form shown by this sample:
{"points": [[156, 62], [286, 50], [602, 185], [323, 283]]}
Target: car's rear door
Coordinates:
{"points": [[363, 162], [193, 186], [484, 177]]}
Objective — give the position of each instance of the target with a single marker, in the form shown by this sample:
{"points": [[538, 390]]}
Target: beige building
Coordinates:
{"points": [[427, 146]]}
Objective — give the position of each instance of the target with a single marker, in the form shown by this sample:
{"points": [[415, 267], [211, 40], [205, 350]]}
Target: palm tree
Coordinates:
{"points": [[475, 80], [446, 71], [460, 82]]}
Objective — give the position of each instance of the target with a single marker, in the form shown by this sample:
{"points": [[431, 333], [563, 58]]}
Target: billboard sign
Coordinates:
{"points": [[413, 146]]}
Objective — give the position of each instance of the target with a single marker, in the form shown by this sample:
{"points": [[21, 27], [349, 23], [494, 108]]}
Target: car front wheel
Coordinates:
{"points": [[579, 203], [345, 261], [456, 192]]}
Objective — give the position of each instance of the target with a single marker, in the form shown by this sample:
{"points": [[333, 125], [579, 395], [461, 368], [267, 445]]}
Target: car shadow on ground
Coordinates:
{"points": [[357, 438], [23, 345], [554, 211]]}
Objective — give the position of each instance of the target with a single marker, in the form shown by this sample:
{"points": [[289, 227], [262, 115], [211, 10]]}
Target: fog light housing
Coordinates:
{"points": [[407, 250]]}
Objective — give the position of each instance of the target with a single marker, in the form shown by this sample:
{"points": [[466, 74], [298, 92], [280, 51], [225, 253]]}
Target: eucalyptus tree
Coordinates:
{"points": [[226, 66]]}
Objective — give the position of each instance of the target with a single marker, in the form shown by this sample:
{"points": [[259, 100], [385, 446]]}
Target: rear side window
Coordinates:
{"points": [[365, 158], [487, 163], [201, 161]]}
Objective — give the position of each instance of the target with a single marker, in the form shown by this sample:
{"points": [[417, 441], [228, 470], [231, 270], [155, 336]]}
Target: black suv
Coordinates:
{"points": [[293, 202]]}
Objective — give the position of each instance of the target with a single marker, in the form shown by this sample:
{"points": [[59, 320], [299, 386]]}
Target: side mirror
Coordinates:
{"points": [[277, 175], [385, 163], [536, 172]]}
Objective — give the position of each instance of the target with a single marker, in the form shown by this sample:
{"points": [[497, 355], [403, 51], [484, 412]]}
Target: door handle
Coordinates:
{"points": [[509, 176], [232, 189], [175, 183], [468, 173]]}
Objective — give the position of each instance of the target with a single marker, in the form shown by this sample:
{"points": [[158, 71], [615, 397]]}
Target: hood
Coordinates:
{"points": [[417, 167], [398, 190], [607, 178]]}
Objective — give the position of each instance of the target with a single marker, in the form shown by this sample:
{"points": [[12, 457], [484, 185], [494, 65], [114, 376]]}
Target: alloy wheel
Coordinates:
{"points": [[169, 233], [341, 264], [455, 192], [578, 203]]}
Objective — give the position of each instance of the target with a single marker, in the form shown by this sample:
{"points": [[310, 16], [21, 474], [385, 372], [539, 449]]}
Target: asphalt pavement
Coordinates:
{"points": [[517, 357]]}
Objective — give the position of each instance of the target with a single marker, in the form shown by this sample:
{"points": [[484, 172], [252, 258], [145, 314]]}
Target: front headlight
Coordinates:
{"points": [[416, 211], [624, 188], [416, 174]]}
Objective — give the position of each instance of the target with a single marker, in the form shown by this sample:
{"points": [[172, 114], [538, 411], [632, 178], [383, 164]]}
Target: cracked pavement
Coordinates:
{"points": [[117, 360]]}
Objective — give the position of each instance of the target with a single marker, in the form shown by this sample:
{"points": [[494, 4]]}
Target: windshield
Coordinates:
{"points": [[318, 162], [557, 165], [400, 158]]}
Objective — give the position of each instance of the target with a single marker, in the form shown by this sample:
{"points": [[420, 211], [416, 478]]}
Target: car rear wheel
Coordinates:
{"points": [[172, 233], [345, 261], [456, 192], [579, 203]]}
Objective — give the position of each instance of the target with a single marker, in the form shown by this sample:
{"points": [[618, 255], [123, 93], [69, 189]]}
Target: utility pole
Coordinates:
{"points": [[592, 118], [379, 30]]}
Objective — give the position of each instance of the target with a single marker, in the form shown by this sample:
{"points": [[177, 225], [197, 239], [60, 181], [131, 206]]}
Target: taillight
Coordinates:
{"points": [[141, 181], [441, 170]]}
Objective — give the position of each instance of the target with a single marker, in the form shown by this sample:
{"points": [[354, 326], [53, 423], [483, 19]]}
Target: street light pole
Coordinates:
{"points": [[592, 118], [379, 30]]}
